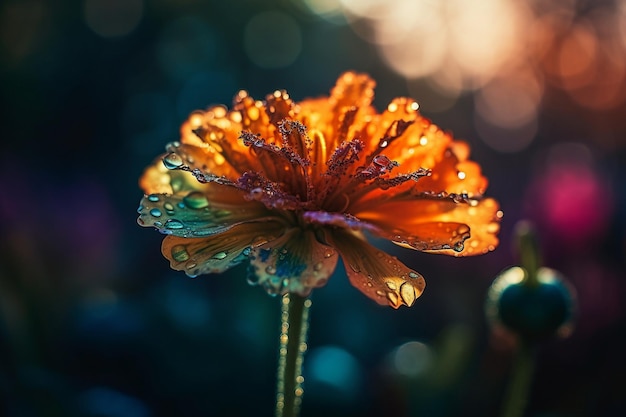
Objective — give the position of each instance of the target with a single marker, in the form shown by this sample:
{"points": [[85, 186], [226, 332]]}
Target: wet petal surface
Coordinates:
{"points": [[380, 276], [297, 262], [214, 254]]}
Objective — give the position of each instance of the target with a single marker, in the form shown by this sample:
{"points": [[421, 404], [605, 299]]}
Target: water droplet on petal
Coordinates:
{"points": [[270, 270], [169, 207], [220, 255], [221, 213], [153, 197], [413, 275], [179, 253], [355, 267], [393, 298], [318, 266], [391, 285], [172, 161], [155, 212], [328, 253], [408, 293], [174, 224], [196, 200]]}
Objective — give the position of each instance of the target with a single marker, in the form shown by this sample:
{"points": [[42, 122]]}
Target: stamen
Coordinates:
{"points": [[294, 135], [344, 156], [278, 161], [267, 192], [205, 177]]}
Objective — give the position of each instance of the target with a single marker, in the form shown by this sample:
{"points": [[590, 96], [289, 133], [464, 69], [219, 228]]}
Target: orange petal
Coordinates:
{"points": [[217, 130], [352, 90], [217, 253], [452, 175], [380, 276], [400, 109], [481, 216], [295, 263]]}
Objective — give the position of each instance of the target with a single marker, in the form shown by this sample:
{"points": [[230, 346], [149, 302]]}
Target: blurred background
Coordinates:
{"points": [[93, 323]]}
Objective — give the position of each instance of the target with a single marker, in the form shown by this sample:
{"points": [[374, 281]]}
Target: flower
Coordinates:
{"points": [[292, 187]]}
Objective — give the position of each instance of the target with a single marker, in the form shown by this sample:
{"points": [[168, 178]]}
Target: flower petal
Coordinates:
{"points": [[352, 90], [439, 218], [296, 263], [157, 179], [197, 213], [217, 253], [380, 276]]}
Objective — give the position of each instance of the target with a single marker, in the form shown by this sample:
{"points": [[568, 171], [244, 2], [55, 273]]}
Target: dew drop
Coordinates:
{"points": [[270, 270], [220, 255], [153, 197], [172, 161], [191, 265], [393, 298], [413, 275], [155, 212], [174, 224], [196, 200], [179, 253], [158, 224], [221, 213], [318, 266], [381, 160], [328, 253], [355, 268], [391, 285], [169, 207], [408, 294]]}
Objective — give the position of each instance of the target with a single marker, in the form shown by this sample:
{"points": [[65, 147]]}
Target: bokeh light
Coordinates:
{"points": [[335, 368], [412, 359]]}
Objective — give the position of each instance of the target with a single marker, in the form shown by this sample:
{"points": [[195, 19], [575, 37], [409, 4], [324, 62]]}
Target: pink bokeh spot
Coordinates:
{"points": [[573, 202]]}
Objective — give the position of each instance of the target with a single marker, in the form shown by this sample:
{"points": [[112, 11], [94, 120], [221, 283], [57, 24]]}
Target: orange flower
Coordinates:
{"points": [[292, 187]]}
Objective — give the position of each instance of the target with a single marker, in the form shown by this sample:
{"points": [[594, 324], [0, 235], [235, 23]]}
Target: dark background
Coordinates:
{"points": [[94, 323]]}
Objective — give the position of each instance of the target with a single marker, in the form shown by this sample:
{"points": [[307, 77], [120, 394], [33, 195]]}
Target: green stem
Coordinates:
{"points": [[528, 247], [293, 330], [519, 385]]}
